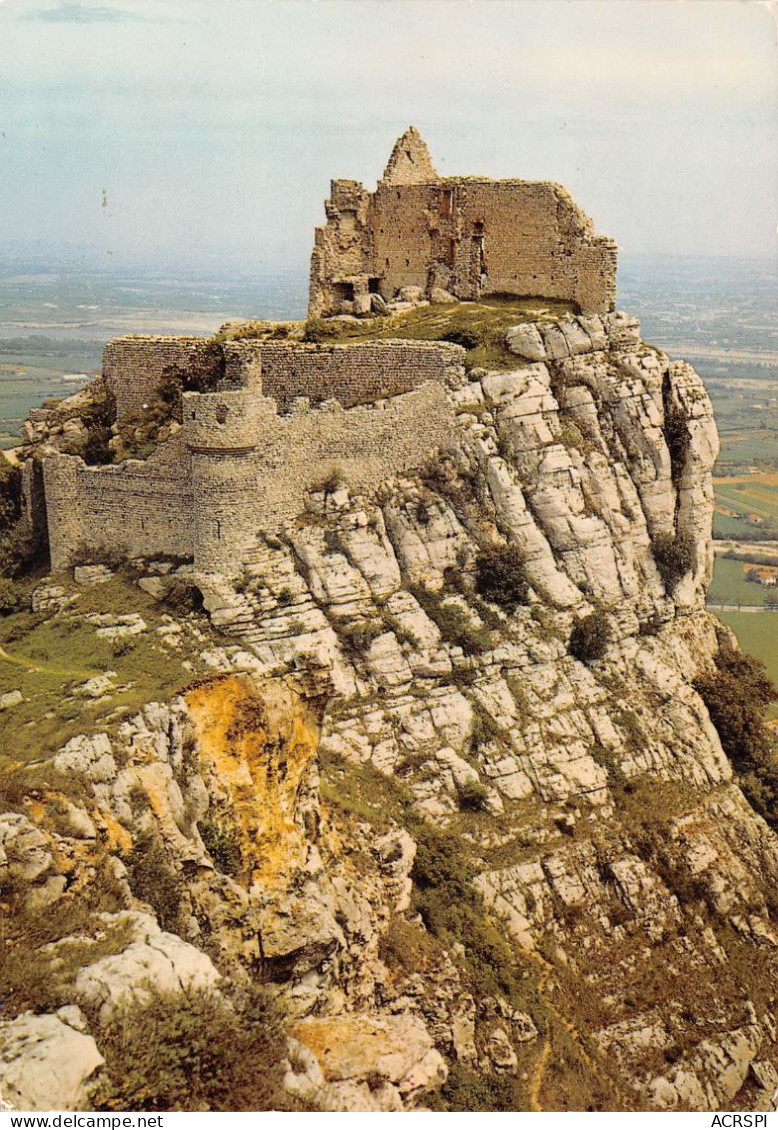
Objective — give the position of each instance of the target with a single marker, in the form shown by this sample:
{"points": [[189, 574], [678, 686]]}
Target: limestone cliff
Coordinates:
{"points": [[450, 791]]}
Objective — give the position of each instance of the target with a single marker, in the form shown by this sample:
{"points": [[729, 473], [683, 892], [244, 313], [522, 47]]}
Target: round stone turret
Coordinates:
{"points": [[221, 421], [221, 430]]}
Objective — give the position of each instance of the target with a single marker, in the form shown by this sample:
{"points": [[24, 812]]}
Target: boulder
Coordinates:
{"points": [[525, 341], [441, 297], [47, 1062], [352, 1048], [24, 853], [157, 960]]}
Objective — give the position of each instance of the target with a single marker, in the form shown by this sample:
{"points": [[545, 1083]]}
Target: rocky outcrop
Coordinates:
{"points": [[47, 1062], [453, 839]]}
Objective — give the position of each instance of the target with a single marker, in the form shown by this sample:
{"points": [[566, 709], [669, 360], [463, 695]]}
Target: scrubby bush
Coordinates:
{"points": [[10, 493], [467, 338], [454, 624], [16, 546], [332, 480], [316, 330], [483, 728], [735, 696], [674, 556], [473, 796], [222, 844], [590, 637], [501, 575], [193, 1051], [153, 880], [472, 1091], [12, 596], [183, 595], [676, 431], [357, 637]]}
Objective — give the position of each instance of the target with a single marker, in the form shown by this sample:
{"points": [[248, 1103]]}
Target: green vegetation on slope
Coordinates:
{"points": [[479, 326], [47, 657], [736, 696], [757, 634]]}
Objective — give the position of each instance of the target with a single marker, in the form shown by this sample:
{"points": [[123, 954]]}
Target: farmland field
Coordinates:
{"points": [[730, 585], [757, 633]]}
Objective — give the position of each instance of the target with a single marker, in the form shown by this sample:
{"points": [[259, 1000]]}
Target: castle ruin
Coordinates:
{"points": [[275, 416], [468, 236]]}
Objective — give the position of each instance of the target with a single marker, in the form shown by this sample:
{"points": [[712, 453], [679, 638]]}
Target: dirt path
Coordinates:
{"points": [[46, 669]]}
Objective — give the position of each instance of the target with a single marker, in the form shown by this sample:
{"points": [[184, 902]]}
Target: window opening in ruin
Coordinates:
{"points": [[372, 285], [344, 290], [218, 530], [451, 253], [478, 227], [222, 412], [446, 201]]}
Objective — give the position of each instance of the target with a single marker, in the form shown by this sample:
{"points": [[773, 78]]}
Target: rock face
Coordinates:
{"points": [[454, 838], [48, 1061]]}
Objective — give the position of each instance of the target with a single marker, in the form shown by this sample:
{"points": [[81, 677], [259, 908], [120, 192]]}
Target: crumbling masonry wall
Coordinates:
{"points": [[135, 365], [137, 508], [352, 374], [479, 237], [357, 373], [470, 236], [202, 495]]}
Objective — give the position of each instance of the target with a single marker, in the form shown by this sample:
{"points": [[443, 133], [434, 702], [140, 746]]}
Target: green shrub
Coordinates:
{"points": [[471, 1091], [17, 550], [357, 637], [222, 844], [408, 947], [10, 493], [674, 555], [501, 576], [483, 728], [473, 796], [454, 624], [332, 480], [192, 1051], [467, 338], [183, 595], [317, 330], [590, 637], [12, 596], [735, 697], [676, 430], [153, 880]]}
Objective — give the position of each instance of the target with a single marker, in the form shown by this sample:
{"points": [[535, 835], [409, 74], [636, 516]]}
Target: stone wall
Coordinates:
{"points": [[211, 501], [359, 373], [134, 365], [137, 508]]}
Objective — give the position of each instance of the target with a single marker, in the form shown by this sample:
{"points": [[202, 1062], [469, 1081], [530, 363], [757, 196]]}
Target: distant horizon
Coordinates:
{"points": [[70, 255]]}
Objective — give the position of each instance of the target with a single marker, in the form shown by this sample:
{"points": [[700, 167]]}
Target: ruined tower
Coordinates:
{"points": [[221, 430], [469, 236]]}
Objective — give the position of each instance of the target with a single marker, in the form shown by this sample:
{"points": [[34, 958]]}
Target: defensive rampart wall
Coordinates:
{"points": [[202, 495]]}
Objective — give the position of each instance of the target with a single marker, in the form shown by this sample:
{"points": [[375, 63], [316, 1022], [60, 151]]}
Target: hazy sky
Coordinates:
{"points": [[214, 126]]}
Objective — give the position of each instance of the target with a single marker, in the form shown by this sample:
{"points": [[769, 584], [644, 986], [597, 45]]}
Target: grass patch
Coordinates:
{"points": [[481, 326], [47, 657]]}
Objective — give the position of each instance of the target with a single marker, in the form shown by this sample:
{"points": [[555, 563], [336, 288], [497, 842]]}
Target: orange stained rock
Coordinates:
{"points": [[258, 740]]}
